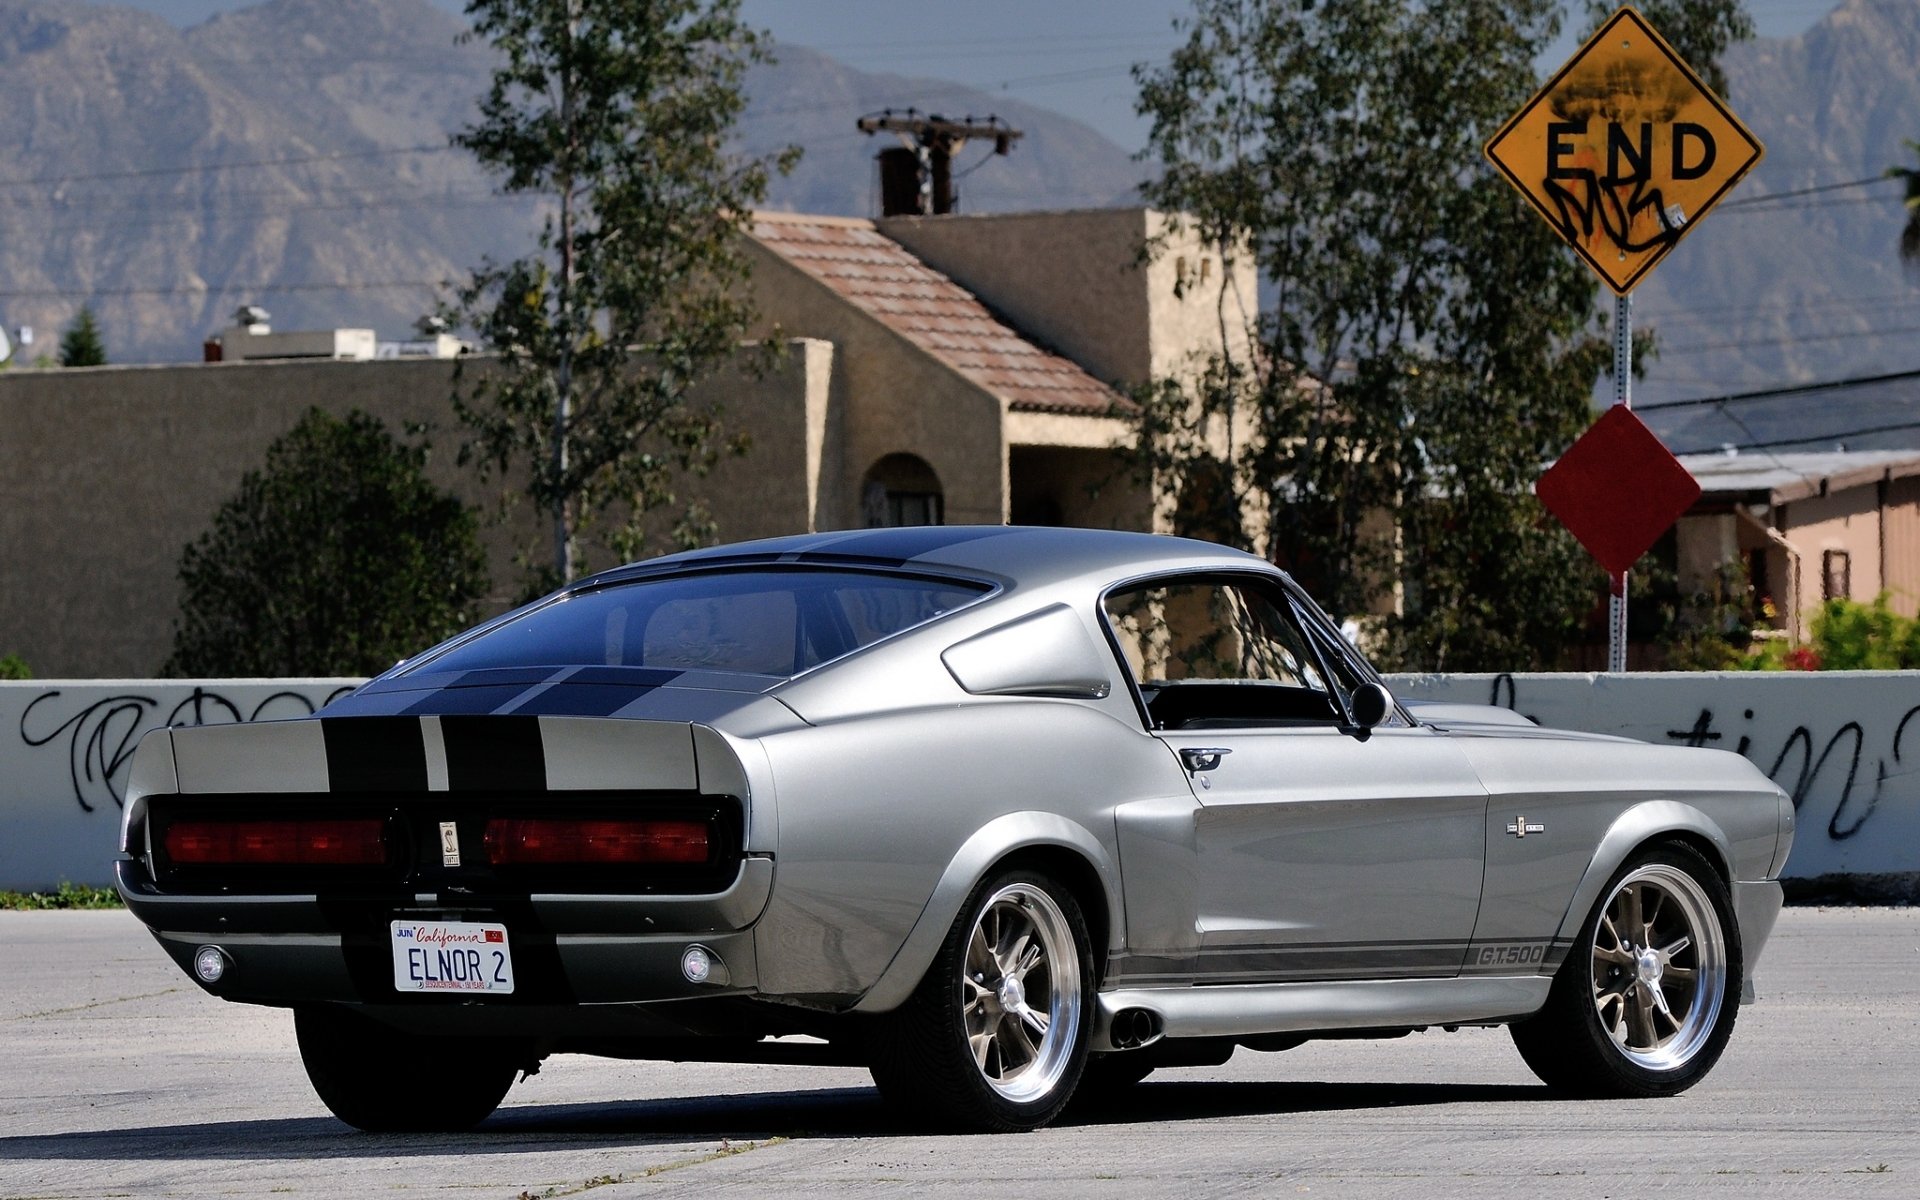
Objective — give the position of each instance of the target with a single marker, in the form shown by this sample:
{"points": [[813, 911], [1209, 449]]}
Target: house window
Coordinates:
{"points": [[901, 489], [1836, 575]]}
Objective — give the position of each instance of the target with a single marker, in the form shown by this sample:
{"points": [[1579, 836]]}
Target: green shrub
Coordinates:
{"points": [[1851, 636], [69, 895], [338, 557], [12, 666]]}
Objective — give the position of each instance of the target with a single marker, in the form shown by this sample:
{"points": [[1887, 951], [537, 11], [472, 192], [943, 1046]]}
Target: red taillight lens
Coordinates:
{"points": [[553, 841], [334, 843]]}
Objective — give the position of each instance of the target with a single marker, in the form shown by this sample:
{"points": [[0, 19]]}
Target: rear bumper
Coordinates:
{"points": [[567, 949]]}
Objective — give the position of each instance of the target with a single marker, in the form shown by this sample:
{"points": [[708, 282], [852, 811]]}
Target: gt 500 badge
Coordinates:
{"points": [[449, 844], [1512, 956]]}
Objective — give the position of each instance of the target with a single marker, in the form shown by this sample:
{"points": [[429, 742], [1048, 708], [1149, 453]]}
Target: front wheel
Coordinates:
{"points": [[378, 1079], [1645, 1002], [995, 1037]]}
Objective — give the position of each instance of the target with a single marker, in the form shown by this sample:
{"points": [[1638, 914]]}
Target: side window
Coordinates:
{"points": [[1218, 654]]}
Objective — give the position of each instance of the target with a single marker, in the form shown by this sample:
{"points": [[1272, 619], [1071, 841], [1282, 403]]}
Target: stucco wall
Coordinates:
{"points": [[1902, 575], [1846, 520], [1073, 282], [109, 472], [1844, 744]]}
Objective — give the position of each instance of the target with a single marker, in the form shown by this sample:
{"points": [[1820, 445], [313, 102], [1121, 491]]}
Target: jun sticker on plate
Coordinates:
{"points": [[451, 956]]}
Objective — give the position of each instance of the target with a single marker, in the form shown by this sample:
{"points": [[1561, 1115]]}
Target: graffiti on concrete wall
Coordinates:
{"points": [[1844, 745], [1801, 770], [98, 733], [1809, 763]]}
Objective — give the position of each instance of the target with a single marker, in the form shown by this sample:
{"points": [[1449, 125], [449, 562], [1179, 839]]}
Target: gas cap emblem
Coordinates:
{"points": [[449, 844]]}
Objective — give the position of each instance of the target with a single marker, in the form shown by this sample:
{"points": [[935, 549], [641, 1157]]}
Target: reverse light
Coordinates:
{"points": [[551, 841], [358, 842]]}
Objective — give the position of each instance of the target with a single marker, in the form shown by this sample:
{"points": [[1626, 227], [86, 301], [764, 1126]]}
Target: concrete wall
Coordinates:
{"points": [[109, 472], [1844, 744], [66, 747]]}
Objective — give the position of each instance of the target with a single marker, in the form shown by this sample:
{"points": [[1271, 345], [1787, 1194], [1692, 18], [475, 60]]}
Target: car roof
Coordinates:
{"points": [[1028, 554]]}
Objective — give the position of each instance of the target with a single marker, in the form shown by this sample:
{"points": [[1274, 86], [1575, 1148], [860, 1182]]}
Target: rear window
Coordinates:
{"points": [[762, 622]]}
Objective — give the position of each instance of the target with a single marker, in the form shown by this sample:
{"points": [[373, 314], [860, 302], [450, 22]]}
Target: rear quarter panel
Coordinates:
{"points": [[875, 809]]}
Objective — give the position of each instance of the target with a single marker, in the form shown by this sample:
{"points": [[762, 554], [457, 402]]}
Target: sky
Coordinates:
{"points": [[1072, 56]]}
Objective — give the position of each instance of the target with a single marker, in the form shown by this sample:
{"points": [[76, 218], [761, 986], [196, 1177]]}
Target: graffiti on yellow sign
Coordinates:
{"points": [[1624, 150]]}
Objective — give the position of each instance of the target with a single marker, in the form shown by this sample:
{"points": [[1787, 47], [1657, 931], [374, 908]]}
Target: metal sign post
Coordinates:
{"points": [[1623, 398], [1622, 152]]}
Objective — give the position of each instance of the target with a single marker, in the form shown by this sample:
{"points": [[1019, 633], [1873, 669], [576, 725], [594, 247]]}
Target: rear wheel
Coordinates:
{"points": [[995, 1037], [378, 1079], [1645, 1002]]}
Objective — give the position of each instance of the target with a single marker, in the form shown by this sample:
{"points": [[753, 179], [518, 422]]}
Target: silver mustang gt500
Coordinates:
{"points": [[997, 813]]}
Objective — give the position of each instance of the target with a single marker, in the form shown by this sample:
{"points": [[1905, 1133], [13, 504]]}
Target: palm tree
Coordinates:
{"points": [[1910, 234]]}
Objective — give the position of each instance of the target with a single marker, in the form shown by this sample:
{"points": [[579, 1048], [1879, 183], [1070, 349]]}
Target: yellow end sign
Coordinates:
{"points": [[1624, 150]]}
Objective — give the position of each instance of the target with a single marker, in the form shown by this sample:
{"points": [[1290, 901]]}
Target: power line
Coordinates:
{"points": [[221, 289], [1797, 389], [151, 172], [1699, 311], [1851, 335], [1778, 443], [1774, 197]]}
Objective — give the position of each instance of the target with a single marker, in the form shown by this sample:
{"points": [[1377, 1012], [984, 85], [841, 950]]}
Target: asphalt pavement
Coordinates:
{"points": [[119, 1078]]}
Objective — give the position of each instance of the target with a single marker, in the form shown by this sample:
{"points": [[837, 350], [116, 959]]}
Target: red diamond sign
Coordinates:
{"points": [[1617, 489]]}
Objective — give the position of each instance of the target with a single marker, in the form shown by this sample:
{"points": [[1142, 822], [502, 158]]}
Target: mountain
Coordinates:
{"points": [[295, 155], [1777, 288]]}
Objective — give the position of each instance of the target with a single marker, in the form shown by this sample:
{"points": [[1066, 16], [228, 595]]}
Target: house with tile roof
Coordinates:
{"points": [[938, 370], [980, 363]]}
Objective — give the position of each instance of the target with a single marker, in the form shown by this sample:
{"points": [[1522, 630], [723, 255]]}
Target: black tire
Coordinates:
{"points": [[961, 1051], [378, 1079], [1646, 1000]]}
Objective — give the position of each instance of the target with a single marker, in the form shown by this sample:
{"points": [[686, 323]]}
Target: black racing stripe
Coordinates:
{"points": [[898, 547], [467, 700], [1322, 963], [486, 753], [647, 677], [500, 676], [580, 700], [374, 754]]}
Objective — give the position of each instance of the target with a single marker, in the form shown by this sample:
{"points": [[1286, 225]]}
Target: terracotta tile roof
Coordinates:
{"points": [[889, 283]]}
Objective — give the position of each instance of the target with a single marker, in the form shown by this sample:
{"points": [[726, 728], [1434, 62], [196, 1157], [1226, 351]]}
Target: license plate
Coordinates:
{"points": [[451, 956]]}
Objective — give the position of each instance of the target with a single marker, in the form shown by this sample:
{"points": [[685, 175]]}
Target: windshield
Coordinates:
{"points": [[766, 622]]}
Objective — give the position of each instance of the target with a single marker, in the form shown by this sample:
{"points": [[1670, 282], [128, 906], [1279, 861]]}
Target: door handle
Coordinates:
{"points": [[1203, 758]]}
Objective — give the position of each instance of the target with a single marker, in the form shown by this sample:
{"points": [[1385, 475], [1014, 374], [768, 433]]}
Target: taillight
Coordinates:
{"points": [[549, 841], [360, 842]]}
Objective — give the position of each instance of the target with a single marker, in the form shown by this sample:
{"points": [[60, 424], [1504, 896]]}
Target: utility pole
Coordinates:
{"points": [[925, 160]]}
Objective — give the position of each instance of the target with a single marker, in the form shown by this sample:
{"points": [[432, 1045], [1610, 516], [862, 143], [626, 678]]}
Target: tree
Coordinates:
{"points": [[337, 558], [620, 113], [1910, 232], [80, 345], [1431, 345]]}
